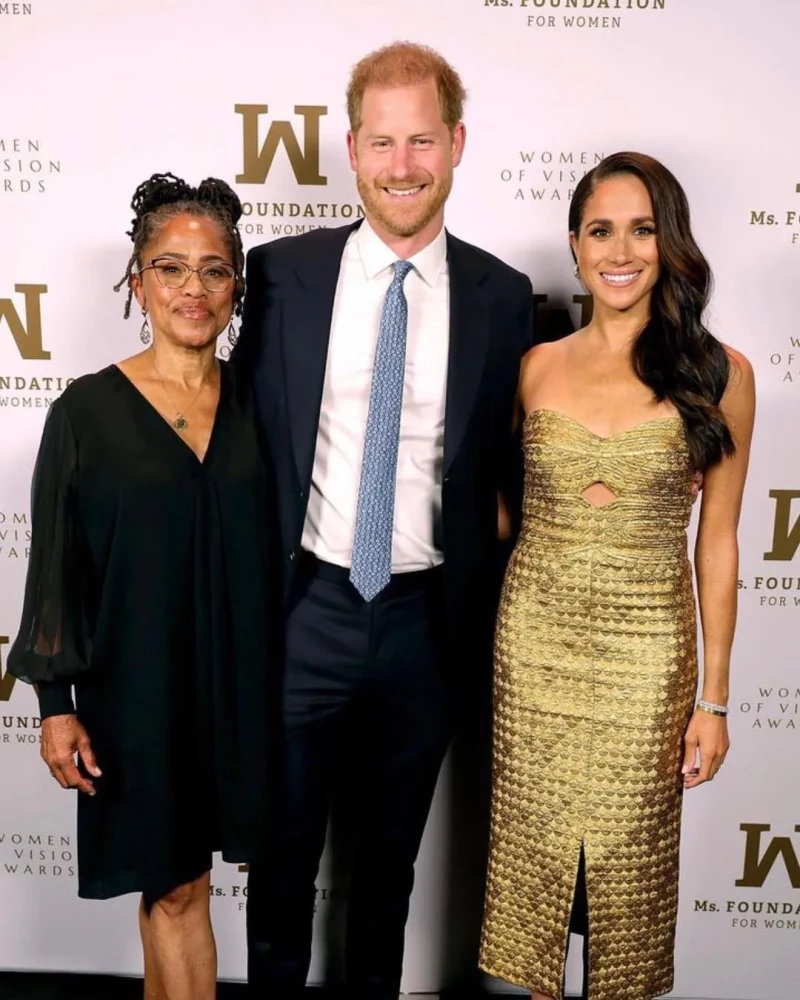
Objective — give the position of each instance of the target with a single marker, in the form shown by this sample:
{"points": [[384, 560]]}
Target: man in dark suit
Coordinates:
{"points": [[384, 359]]}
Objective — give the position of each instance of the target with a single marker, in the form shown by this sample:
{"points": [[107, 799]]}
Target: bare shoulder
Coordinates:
{"points": [[541, 357], [740, 367], [741, 379], [738, 402]]}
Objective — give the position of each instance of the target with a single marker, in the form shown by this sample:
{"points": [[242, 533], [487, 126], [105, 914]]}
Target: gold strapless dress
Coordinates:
{"points": [[595, 681]]}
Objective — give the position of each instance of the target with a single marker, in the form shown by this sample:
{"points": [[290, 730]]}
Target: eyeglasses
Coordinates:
{"points": [[216, 277]]}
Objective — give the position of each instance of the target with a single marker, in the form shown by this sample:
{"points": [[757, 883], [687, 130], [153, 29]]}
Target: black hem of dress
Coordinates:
{"points": [[154, 886]]}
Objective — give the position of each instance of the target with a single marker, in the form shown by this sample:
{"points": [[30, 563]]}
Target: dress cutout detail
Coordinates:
{"points": [[595, 680]]}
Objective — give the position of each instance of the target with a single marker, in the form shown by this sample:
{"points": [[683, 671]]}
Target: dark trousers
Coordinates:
{"points": [[370, 677]]}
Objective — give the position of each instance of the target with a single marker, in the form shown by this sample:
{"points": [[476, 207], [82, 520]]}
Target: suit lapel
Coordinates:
{"points": [[305, 327], [469, 341]]}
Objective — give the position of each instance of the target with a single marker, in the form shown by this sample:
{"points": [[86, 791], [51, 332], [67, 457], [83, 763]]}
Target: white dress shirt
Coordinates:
{"points": [[364, 279]]}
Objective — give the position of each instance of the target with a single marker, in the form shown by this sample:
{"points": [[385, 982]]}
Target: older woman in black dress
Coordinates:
{"points": [[147, 595]]}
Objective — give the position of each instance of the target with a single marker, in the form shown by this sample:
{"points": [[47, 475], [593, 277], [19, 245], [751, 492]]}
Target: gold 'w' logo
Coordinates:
{"points": [[28, 335], [786, 536], [757, 866], [6, 680], [258, 159]]}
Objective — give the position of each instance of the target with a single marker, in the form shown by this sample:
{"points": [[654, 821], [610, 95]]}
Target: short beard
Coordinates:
{"points": [[403, 227]]}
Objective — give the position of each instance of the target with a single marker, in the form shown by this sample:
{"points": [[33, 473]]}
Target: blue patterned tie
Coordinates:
{"points": [[371, 566]]}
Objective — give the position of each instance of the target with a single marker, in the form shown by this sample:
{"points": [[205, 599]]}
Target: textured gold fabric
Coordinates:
{"points": [[595, 679]]}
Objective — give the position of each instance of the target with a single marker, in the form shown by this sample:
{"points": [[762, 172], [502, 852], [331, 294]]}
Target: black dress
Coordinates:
{"points": [[149, 591]]}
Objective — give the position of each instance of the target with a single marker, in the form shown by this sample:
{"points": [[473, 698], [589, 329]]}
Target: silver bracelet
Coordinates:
{"points": [[712, 709]]}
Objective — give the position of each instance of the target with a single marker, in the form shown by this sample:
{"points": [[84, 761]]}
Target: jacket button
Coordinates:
{"points": [[291, 556]]}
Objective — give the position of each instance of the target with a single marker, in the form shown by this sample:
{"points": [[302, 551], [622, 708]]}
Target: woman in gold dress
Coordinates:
{"points": [[597, 733]]}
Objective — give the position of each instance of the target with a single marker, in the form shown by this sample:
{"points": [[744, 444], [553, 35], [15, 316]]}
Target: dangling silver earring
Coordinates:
{"points": [[576, 271], [233, 336], [144, 334]]}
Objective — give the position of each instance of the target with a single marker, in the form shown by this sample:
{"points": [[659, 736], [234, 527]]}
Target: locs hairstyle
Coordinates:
{"points": [[165, 196], [675, 355]]}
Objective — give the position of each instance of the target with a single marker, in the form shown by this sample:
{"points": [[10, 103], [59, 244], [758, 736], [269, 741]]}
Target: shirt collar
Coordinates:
{"points": [[376, 256]]}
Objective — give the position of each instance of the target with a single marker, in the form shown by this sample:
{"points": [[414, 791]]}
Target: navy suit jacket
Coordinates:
{"points": [[283, 346]]}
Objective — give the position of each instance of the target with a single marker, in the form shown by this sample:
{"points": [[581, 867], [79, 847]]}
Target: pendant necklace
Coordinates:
{"points": [[180, 423]]}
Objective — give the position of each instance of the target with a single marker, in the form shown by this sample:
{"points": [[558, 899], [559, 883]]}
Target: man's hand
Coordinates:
{"points": [[697, 485]]}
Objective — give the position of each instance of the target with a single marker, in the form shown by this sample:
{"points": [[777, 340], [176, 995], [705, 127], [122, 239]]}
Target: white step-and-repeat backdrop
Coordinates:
{"points": [[96, 96]]}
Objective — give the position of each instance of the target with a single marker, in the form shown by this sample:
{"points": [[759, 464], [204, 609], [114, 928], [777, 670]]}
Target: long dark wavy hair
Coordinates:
{"points": [[674, 355]]}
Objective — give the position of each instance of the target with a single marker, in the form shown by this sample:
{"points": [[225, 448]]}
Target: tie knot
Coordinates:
{"points": [[401, 269]]}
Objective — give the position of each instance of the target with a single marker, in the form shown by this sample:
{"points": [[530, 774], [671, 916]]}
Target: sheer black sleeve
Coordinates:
{"points": [[54, 643]]}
